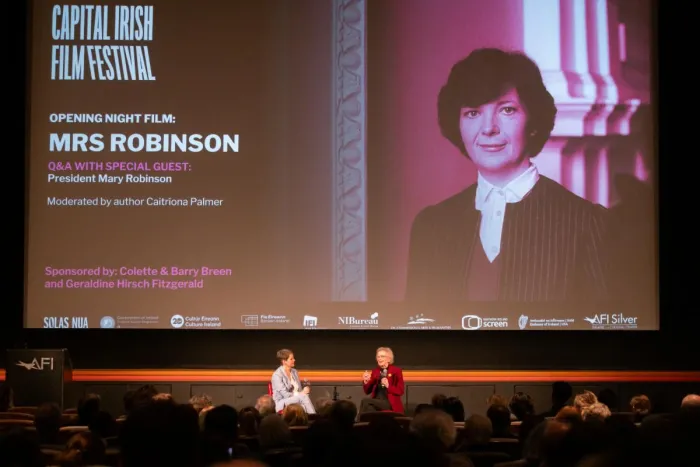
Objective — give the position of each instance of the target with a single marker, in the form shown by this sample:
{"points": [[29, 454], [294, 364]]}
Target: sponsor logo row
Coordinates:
{"points": [[420, 321], [468, 322]]}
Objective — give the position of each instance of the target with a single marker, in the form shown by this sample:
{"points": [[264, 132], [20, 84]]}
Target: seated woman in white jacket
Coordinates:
{"points": [[286, 386]]}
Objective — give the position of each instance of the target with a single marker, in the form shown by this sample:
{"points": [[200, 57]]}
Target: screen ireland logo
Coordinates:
{"points": [[522, 321], [177, 321], [44, 363], [474, 322], [107, 322], [310, 322]]}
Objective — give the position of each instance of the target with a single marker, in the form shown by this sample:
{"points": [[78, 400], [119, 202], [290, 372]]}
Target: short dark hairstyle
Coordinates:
{"points": [[561, 392], [521, 405], [454, 408], [160, 433], [437, 400], [88, 408], [248, 420], [487, 74], [143, 396], [47, 421], [343, 413], [283, 354], [222, 421], [500, 418]]}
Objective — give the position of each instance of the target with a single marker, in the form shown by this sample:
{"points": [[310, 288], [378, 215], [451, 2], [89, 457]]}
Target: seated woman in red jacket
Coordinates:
{"points": [[384, 384]]}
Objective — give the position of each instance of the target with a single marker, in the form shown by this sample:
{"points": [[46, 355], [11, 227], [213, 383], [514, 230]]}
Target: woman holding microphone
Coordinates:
{"points": [[384, 385]]}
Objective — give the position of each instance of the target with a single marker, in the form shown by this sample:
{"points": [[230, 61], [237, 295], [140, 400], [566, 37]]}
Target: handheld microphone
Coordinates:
{"points": [[383, 373]]}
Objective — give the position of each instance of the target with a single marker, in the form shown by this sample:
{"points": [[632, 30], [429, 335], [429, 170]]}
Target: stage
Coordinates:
{"points": [[353, 376], [240, 388]]}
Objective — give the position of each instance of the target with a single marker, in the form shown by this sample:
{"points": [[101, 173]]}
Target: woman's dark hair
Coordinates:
{"points": [[454, 408], [222, 421], [437, 400], [283, 354], [248, 420], [141, 397], [88, 408], [521, 405], [487, 74]]}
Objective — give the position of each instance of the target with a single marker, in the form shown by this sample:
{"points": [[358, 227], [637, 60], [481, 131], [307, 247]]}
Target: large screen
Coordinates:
{"points": [[342, 164]]}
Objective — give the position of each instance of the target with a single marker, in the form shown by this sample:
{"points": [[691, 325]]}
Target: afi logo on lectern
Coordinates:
{"points": [[43, 363]]}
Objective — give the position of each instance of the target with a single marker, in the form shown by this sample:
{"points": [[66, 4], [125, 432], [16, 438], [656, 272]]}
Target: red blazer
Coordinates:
{"points": [[394, 391]]}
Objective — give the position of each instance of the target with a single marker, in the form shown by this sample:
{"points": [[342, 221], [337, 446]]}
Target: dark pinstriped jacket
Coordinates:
{"points": [[552, 248]]}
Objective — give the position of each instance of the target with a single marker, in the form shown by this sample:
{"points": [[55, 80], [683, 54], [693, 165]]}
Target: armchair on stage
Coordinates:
{"points": [[37, 376]]}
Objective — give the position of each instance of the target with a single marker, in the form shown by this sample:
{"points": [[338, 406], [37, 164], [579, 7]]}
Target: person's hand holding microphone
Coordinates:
{"points": [[384, 380]]}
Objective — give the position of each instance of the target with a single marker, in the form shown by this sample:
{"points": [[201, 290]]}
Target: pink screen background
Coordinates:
{"points": [[336, 104], [412, 46]]}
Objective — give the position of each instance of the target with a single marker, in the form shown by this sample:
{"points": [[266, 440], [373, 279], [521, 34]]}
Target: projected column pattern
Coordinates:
{"points": [[572, 42], [349, 151]]}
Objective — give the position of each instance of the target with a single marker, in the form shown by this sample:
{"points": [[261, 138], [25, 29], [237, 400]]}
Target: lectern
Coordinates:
{"points": [[38, 375]]}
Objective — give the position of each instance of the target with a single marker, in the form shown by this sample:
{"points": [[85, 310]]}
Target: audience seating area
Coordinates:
{"points": [[155, 430]]}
